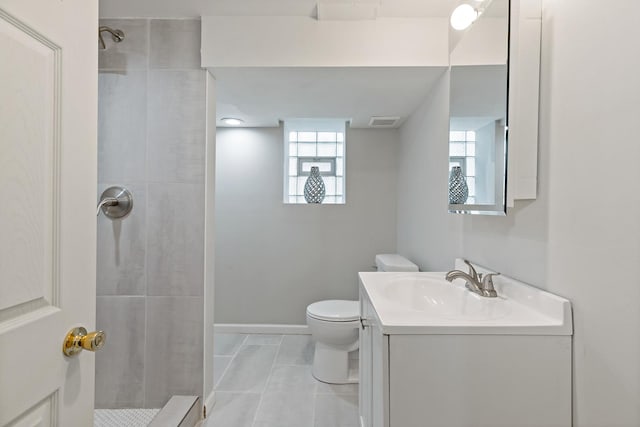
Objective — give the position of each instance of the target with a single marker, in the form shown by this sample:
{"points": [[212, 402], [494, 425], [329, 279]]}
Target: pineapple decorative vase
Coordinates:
{"points": [[314, 190], [458, 189]]}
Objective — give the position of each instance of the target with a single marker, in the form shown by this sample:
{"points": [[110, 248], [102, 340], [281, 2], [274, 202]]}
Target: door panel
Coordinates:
{"points": [[29, 169], [41, 415], [48, 151]]}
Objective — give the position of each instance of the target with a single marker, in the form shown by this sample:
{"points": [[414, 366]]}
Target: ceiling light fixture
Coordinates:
{"points": [[232, 121], [463, 16]]}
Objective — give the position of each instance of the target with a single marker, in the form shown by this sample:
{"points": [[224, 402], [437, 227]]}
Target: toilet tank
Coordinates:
{"points": [[394, 262]]}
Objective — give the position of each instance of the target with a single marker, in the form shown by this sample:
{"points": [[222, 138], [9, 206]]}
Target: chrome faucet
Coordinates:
{"points": [[482, 286]]}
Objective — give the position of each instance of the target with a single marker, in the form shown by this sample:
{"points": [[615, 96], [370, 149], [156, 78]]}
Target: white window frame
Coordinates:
{"points": [[316, 160], [294, 175]]}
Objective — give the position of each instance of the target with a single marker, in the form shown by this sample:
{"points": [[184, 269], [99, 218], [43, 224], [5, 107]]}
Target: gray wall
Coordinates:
{"points": [[427, 234], [582, 231], [273, 259], [151, 139]]}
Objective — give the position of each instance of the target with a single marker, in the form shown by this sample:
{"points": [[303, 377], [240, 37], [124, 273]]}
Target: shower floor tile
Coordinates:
{"points": [[123, 417]]}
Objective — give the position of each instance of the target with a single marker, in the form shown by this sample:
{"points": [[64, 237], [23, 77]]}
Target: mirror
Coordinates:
{"points": [[479, 58]]}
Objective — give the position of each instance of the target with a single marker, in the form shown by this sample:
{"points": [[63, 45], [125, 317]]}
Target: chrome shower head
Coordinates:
{"points": [[116, 35]]}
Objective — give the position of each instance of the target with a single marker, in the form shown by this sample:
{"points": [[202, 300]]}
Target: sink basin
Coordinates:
{"points": [[437, 297], [425, 303]]}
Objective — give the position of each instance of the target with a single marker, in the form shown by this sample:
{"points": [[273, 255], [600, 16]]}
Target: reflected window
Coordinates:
{"points": [[462, 152]]}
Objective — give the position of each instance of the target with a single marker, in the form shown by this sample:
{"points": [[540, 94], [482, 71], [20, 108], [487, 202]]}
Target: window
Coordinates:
{"points": [[318, 143], [462, 152]]}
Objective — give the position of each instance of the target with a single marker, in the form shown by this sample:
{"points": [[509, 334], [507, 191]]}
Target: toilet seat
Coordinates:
{"points": [[334, 310]]}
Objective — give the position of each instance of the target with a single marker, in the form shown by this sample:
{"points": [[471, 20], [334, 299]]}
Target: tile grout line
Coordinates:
{"points": [[273, 364], [244, 340], [233, 357], [224, 371], [316, 395], [313, 407]]}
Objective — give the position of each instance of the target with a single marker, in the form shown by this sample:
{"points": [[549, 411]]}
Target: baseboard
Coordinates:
{"points": [[242, 328], [209, 401]]}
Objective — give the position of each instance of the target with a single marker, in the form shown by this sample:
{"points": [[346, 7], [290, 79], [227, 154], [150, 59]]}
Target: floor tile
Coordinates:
{"points": [[227, 344], [278, 424], [249, 369], [233, 410], [264, 339], [336, 410], [296, 350], [265, 380], [220, 364], [286, 409], [291, 379], [324, 388]]}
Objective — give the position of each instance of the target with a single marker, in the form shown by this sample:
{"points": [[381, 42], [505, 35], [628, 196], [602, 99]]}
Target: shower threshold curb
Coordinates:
{"points": [[180, 411]]}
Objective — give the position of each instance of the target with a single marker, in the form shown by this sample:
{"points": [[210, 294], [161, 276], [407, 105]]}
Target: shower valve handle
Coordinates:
{"points": [[107, 201], [115, 202]]}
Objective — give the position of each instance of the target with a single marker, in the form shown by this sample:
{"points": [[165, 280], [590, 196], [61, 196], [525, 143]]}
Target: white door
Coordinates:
{"points": [[48, 114]]}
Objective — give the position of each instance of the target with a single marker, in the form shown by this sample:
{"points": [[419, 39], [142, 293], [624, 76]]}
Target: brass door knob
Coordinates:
{"points": [[78, 339]]}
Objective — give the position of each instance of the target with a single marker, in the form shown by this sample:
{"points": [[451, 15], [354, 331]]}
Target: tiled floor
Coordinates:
{"points": [[266, 381], [123, 417]]}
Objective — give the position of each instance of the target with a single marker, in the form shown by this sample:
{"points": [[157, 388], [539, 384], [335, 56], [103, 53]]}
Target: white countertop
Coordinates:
{"points": [[425, 303]]}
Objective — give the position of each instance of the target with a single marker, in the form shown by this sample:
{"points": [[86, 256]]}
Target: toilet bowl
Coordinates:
{"points": [[335, 327]]}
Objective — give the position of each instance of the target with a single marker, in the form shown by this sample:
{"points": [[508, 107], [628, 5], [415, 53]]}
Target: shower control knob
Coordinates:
{"points": [[79, 339], [115, 202]]}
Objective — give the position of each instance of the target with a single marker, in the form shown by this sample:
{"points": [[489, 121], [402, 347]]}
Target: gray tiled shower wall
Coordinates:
{"points": [[151, 139]]}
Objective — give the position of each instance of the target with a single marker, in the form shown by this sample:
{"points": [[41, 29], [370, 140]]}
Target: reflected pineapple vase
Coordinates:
{"points": [[314, 190], [458, 189]]}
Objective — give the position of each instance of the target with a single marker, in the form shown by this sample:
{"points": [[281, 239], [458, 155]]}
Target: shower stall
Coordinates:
{"points": [[150, 262]]}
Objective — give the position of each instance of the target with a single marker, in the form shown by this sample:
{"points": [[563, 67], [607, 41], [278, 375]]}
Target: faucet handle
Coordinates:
{"points": [[472, 271], [487, 285]]}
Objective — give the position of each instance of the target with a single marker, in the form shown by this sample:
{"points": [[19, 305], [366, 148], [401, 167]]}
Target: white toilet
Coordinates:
{"points": [[335, 325]]}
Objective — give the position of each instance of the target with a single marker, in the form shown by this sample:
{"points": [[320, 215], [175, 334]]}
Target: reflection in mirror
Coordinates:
{"points": [[478, 114]]}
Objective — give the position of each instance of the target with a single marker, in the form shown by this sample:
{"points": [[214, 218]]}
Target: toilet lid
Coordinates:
{"points": [[335, 310]]}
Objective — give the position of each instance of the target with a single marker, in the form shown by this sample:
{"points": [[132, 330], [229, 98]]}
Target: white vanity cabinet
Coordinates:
{"points": [[374, 369], [418, 378]]}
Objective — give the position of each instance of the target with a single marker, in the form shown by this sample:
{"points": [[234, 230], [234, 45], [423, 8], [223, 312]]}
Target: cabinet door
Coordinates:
{"points": [[374, 369], [366, 387], [379, 377]]}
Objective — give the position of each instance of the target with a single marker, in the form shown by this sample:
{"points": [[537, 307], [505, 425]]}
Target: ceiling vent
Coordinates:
{"points": [[383, 122], [347, 10]]}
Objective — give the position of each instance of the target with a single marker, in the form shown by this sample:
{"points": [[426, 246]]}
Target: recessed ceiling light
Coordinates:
{"points": [[232, 121], [463, 16]]}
